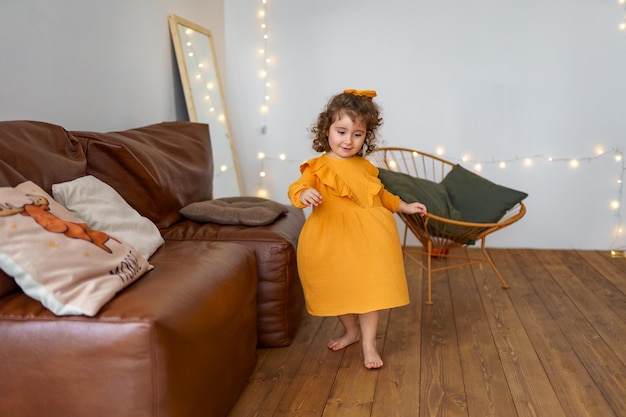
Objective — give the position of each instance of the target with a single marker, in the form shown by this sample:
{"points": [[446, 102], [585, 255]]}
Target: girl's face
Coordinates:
{"points": [[345, 137]]}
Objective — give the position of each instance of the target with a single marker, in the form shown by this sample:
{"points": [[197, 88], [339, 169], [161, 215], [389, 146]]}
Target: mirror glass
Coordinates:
{"points": [[202, 88]]}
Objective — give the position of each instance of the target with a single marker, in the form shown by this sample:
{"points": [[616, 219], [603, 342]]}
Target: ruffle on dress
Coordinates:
{"points": [[332, 179]]}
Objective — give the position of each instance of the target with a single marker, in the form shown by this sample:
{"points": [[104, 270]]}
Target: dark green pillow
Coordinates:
{"points": [[410, 189], [478, 199], [432, 194]]}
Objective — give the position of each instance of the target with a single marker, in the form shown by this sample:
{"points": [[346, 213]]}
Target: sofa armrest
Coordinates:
{"points": [[280, 298]]}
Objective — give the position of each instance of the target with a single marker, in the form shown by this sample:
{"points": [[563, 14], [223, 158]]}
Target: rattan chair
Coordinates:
{"points": [[439, 235]]}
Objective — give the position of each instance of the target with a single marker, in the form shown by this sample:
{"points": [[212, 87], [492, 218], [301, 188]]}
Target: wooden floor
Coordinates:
{"points": [[552, 345]]}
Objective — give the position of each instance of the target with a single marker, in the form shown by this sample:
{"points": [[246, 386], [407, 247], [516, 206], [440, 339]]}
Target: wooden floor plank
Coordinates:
{"points": [[551, 345], [306, 396], [576, 390], [272, 376], [442, 389], [531, 390], [397, 390], [600, 301], [612, 270], [486, 389], [600, 361]]}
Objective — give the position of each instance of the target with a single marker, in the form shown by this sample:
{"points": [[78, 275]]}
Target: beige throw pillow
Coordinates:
{"points": [[104, 209], [56, 258]]}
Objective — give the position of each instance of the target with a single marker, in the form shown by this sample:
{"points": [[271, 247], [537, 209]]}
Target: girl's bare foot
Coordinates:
{"points": [[346, 340], [372, 358]]}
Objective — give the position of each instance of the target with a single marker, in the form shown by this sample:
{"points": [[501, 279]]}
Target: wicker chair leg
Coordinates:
{"points": [[429, 258], [493, 266]]}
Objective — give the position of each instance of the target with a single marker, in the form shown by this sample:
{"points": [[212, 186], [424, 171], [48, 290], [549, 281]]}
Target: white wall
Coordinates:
{"points": [[499, 80], [91, 65]]}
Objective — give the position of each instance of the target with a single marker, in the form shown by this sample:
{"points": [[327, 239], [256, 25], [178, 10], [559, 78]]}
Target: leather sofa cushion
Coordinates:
{"points": [[179, 342], [157, 169], [40, 152], [280, 299]]}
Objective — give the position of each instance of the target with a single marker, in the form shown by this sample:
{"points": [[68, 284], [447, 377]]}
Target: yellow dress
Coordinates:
{"points": [[349, 254]]}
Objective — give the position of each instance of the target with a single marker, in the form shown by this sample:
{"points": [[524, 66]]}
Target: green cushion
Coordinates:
{"points": [[410, 189], [478, 199]]}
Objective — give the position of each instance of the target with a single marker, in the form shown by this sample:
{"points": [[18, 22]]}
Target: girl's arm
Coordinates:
{"points": [[302, 193], [395, 204], [412, 208]]}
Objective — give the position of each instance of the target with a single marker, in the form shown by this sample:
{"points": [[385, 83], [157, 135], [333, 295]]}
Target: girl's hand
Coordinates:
{"points": [[311, 197], [412, 208]]}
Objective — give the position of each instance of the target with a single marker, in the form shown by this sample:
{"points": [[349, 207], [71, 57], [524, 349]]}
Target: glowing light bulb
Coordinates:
{"points": [[221, 118], [502, 164], [439, 151], [262, 74], [618, 156], [198, 76], [260, 155], [188, 32], [478, 167], [599, 150], [549, 159], [190, 54], [262, 192], [573, 163], [528, 162], [265, 109], [210, 85], [267, 98], [223, 168], [207, 98], [614, 204], [282, 156], [393, 164], [188, 43], [262, 174]]}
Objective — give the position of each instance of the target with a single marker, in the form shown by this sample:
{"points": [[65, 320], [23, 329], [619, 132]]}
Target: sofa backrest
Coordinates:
{"points": [[40, 152], [157, 169]]}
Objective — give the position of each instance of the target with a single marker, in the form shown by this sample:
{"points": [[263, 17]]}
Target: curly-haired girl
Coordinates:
{"points": [[349, 255]]}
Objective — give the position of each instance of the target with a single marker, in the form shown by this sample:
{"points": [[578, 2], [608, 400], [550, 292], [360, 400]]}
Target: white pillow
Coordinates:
{"points": [[56, 258], [102, 208]]}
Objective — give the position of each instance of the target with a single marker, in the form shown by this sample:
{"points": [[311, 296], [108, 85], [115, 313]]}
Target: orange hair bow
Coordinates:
{"points": [[363, 93]]}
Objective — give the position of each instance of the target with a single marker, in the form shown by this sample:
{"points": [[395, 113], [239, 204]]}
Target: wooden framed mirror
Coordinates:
{"points": [[199, 74]]}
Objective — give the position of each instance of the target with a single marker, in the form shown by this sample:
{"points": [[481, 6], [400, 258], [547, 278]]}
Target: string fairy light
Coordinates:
{"points": [[622, 26], [264, 77], [527, 162]]}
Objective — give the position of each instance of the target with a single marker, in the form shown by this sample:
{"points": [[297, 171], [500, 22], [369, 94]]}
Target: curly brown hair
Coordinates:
{"points": [[357, 108]]}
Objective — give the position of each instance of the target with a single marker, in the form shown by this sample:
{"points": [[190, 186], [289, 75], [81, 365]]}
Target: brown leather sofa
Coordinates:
{"points": [[181, 341]]}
